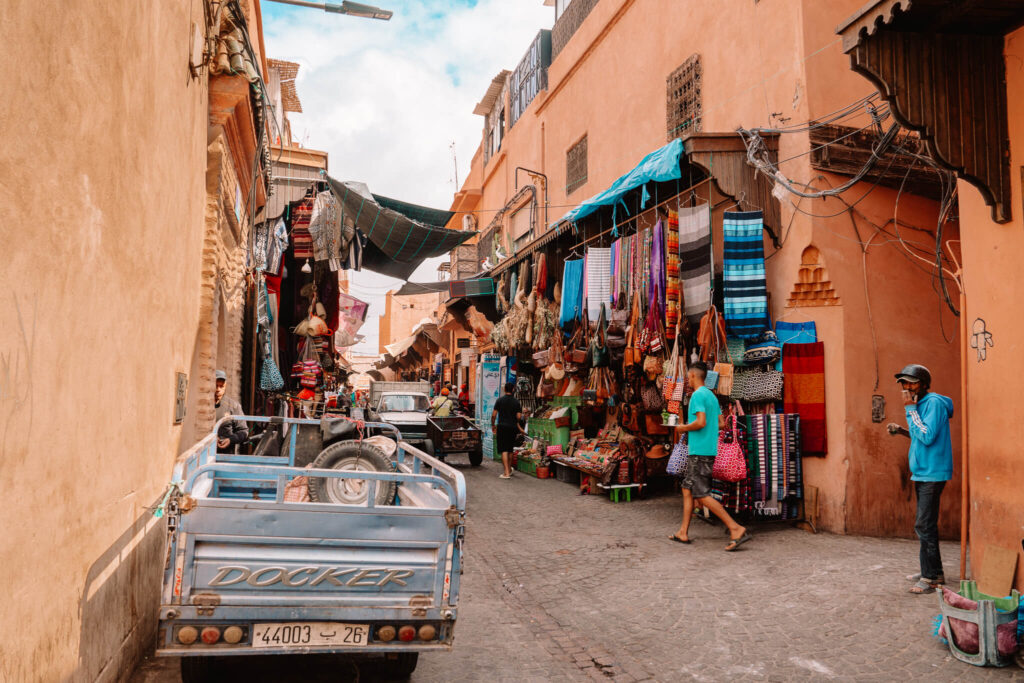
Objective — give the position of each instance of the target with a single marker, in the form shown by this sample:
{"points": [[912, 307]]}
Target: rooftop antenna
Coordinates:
{"points": [[353, 9], [455, 164]]}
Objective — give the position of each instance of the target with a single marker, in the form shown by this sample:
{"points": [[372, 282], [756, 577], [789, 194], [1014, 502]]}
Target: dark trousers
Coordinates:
{"points": [[927, 526]]}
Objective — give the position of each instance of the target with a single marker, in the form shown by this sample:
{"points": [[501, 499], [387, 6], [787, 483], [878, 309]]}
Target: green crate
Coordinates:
{"points": [[527, 467]]}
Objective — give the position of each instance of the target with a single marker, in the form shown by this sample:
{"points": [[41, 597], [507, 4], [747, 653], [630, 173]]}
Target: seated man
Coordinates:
{"points": [[442, 405], [232, 432]]}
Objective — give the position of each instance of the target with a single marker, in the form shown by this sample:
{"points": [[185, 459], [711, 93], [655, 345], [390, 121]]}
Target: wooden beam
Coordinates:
{"points": [[844, 151]]}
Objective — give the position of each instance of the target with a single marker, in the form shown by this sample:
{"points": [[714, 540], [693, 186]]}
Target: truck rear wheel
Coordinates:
{"points": [[197, 670], [401, 667], [475, 458], [351, 456]]}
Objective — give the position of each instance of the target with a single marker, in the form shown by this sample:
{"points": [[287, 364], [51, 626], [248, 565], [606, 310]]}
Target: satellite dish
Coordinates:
{"points": [[468, 222]]}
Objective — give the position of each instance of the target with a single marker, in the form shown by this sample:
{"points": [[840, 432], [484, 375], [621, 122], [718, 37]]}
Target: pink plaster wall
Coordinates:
{"points": [[992, 273], [759, 59]]}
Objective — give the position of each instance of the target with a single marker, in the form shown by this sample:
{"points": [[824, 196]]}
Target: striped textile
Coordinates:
{"points": [[695, 260], [302, 239], [773, 459], [746, 296], [804, 368], [598, 280]]}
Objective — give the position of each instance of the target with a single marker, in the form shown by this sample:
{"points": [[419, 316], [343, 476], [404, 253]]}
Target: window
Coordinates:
{"points": [[520, 224], [560, 6], [683, 98], [397, 403], [576, 166]]}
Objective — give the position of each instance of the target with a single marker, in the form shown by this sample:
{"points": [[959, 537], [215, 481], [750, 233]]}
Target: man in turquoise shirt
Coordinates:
{"points": [[705, 419]]}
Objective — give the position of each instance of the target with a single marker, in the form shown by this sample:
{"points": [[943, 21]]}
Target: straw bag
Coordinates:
{"points": [[754, 384], [730, 461], [671, 369]]}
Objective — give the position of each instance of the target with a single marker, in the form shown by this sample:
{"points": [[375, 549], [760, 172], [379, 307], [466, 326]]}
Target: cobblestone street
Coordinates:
{"points": [[562, 587]]}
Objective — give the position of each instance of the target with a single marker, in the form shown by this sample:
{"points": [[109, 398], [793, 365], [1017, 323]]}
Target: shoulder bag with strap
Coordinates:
{"points": [[730, 461]]}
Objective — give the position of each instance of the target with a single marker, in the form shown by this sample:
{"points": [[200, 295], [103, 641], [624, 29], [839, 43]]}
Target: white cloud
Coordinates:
{"points": [[387, 99]]}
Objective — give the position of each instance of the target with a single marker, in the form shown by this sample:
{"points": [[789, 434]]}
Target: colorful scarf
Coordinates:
{"points": [[695, 261], [794, 333], [746, 296]]}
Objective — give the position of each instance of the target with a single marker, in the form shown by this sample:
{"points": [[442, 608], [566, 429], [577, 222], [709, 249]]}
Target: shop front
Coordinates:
{"points": [[599, 321]]}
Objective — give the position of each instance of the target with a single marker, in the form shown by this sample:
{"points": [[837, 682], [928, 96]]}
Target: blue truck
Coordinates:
{"points": [[367, 564]]}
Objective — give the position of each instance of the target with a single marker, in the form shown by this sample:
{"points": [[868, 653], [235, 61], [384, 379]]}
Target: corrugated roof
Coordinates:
{"points": [[485, 105]]}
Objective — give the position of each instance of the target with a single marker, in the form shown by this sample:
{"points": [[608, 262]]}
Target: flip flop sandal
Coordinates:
{"points": [[914, 578], [679, 540], [922, 587], [735, 543]]}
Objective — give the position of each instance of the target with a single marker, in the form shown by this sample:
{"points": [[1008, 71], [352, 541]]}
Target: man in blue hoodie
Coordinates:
{"points": [[931, 465]]}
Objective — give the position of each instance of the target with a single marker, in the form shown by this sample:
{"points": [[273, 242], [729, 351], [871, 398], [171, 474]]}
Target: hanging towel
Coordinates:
{"points": [[572, 292], [746, 298], [599, 280], [804, 368], [695, 261], [794, 333]]}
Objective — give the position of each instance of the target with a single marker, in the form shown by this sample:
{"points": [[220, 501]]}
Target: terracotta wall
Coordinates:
{"points": [[765, 64], [991, 254], [102, 174]]}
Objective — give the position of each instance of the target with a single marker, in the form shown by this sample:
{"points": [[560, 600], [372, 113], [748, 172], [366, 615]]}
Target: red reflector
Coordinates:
{"points": [[406, 633], [210, 635]]}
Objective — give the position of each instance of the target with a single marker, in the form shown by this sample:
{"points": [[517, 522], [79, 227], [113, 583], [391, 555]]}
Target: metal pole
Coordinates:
{"points": [[354, 9], [965, 498]]}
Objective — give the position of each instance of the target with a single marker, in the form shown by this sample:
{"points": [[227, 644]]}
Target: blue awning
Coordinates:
{"points": [[660, 165]]}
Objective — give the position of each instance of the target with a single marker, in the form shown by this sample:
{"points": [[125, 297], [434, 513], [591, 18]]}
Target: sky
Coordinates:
{"points": [[386, 99]]}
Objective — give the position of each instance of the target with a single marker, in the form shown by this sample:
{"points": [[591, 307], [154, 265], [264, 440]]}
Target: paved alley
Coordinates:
{"points": [[562, 587]]}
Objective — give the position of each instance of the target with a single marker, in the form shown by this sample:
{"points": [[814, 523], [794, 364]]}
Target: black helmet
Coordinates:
{"points": [[915, 373]]}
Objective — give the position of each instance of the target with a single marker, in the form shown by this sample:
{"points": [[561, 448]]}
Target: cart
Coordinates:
{"points": [[455, 436]]}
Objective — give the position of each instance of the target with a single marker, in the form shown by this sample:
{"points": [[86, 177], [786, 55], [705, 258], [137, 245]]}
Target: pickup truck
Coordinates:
{"points": [[249, 573], [406, 406]]}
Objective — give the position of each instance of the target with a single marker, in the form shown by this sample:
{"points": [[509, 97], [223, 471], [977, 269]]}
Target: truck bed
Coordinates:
{"points": [[239, 555]]}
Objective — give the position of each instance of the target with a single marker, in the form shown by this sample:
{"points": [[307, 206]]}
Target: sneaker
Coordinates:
{"points": [[914, 578]]}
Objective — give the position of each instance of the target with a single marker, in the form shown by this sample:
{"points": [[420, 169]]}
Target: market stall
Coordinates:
{"points": [[598, 336]]}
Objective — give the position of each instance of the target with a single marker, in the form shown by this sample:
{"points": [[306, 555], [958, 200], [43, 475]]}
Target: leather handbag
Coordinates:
{"points": [[677, 461], [654, 424], [630, 418], [730, 461]]}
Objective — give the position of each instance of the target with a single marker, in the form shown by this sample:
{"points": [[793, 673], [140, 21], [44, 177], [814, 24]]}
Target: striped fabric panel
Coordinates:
{"points": [[744, 286], [695, 260]]}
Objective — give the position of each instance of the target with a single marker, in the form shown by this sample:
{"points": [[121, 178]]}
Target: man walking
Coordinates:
{"points": [[705, 419], [508, 413], [232, 432], [931, 466]]}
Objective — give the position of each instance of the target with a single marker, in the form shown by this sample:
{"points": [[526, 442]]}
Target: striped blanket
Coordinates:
{"points": [[804, 365], [695, 260], [746, 298]]}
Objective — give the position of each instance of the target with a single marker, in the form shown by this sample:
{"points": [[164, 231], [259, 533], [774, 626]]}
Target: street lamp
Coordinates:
{"points": [[354, 9]]}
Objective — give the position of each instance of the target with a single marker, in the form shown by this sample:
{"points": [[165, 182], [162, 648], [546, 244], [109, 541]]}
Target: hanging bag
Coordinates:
{"points": [[725, 376], [681, 388], [730, 461], [758, 385], [677, 461], [270, 375], [671, 368]]}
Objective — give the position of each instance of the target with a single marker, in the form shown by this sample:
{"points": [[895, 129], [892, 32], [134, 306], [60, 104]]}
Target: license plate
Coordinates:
{"points": [[310, 633]]}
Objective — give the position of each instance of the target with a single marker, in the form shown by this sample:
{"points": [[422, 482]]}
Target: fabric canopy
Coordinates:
{"points": [[410, 288], [660, 165], [399, 239]]}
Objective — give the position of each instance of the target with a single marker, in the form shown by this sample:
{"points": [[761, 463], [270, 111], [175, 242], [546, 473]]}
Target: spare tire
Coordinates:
{"points": [[352, 456]]}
